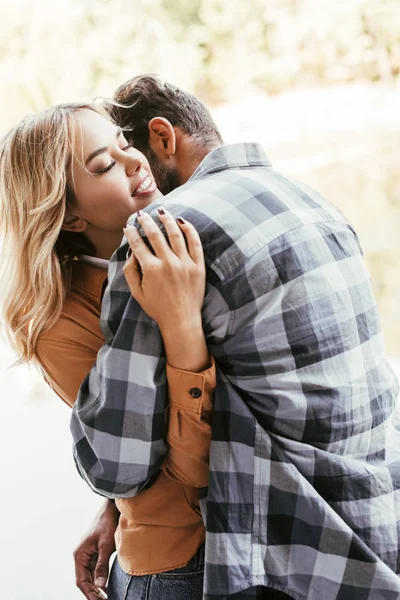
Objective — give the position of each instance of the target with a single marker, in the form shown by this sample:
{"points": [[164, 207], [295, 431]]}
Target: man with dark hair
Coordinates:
{"points": [[140, 100], [304, 483]]}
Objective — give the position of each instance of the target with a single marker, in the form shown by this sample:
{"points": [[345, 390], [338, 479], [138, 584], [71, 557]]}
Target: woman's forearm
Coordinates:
{"points": [[185, 346]]}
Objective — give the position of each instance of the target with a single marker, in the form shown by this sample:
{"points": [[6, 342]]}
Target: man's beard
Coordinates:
{"points": [[167, 179]]}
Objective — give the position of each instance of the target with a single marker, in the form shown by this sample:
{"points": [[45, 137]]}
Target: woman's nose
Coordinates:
{"points": [[133, 162]]}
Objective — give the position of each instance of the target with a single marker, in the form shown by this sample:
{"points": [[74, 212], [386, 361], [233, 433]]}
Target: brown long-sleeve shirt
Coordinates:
{"points": [[161, 528]]}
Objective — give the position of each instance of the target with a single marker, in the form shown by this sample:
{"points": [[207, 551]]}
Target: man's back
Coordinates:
{"points": [[299, 348], [303, 487]]}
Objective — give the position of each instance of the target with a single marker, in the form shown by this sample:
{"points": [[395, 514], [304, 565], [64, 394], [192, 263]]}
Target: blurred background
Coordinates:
{"points": [[316, 82]]}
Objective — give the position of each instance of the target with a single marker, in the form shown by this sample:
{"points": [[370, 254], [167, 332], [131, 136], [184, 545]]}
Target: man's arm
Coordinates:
{"points": [[118, 422], [92, 555]]}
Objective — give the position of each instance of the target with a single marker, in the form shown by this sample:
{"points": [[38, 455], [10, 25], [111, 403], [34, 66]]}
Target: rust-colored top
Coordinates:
{"points": [[161, 528]]}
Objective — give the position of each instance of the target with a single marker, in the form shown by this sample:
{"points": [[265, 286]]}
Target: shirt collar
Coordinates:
{"points": [[88, 279], [232, 156]]}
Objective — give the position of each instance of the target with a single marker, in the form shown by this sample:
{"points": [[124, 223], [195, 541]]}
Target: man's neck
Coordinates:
{"points": [[191, 155]]}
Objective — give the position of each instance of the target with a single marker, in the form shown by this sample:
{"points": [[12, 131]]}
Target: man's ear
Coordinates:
{"points": [[162, 138], [73, 222]]}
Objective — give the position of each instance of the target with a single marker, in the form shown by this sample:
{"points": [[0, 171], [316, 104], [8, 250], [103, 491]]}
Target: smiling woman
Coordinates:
{"points": [[69, 181], [109, 180], [68, 208]]}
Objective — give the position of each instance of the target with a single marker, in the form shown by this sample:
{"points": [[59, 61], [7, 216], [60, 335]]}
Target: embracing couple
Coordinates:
{"points": [[221, 349]]}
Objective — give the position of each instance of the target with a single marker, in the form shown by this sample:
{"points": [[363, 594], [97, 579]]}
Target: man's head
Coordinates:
{"points": [[171, 127]]}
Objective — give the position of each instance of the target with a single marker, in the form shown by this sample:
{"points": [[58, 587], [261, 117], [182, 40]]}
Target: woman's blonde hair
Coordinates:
{"points": [[36, 257]]}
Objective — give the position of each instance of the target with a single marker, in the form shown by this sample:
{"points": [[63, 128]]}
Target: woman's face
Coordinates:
{"points": [[116, 180]]}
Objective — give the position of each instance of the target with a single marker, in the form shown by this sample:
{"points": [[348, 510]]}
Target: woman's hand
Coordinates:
{"points": [[170, 285]]}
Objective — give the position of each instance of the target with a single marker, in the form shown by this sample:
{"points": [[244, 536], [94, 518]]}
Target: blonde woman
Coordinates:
{"points": [[68, 183]]}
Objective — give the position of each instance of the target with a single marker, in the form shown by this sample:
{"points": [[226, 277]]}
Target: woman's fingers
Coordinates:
{"points": [[193, 241], [175, 236], [169, 287], [153, 234], [183, 239], [137, 245]]}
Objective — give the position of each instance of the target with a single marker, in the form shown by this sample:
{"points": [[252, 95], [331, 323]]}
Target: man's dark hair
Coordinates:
{"points": [[144, 97]]}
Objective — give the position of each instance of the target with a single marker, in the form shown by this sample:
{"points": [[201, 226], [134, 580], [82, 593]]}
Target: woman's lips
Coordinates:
{"points": [[146, 186]]}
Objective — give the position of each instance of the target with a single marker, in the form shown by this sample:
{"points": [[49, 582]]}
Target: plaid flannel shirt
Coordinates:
{"points": [[304, 488]]}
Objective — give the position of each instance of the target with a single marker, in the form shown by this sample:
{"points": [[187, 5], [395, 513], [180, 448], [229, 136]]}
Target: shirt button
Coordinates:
{"points": [[195, 392]]}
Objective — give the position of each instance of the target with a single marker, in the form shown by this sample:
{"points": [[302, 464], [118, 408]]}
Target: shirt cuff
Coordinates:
{"points": [[192, 391]]}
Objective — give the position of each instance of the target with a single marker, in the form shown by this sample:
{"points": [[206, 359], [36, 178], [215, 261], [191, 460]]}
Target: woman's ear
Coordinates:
{"points": [[73, 222], [162, 138]]}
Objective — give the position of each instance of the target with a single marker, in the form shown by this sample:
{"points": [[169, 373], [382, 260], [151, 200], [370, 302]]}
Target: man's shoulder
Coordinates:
{"points": [[257, 191], [239, 212], [218, 180]]}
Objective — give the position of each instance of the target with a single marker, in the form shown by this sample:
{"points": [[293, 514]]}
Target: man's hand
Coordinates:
{"points": [[93, 553]]}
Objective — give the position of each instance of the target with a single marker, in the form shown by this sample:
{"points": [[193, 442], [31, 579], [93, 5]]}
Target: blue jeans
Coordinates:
{"points": [[185, 583]]}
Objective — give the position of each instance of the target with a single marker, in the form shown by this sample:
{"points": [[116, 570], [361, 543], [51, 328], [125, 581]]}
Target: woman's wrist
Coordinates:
{"points": [[185, 346]]}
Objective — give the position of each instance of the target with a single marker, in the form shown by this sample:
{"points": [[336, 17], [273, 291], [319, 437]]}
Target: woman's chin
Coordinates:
{"points": [[145, 199], [154, 195]]}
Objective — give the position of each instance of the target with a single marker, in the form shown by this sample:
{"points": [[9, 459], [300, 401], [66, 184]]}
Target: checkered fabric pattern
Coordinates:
{"points": [[304, 489]]}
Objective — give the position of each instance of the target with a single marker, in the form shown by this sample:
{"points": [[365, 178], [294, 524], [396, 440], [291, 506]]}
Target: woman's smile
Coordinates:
{"points": [[146, 186], [115, 181]]}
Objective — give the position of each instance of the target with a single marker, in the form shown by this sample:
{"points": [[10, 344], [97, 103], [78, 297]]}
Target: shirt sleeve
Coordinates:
{"points": [[64, 366], [118, 422], [189, 427]]}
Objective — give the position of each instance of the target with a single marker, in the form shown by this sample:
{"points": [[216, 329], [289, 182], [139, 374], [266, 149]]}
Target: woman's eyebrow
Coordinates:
{"points": [[101, 150]]}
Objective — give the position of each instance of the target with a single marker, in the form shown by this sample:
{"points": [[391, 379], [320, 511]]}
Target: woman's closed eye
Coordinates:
{"points": [[106, 169], [111, 165]]}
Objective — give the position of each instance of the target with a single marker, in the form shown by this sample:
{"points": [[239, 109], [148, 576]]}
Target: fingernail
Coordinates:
{"points": [[100, 582], [181, 221], [161, 211], [139, 213], [128, 225]]}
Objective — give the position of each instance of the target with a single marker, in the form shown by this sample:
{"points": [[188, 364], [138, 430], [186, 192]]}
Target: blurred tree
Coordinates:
{"points": [[221, 50], [224, 50]]}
